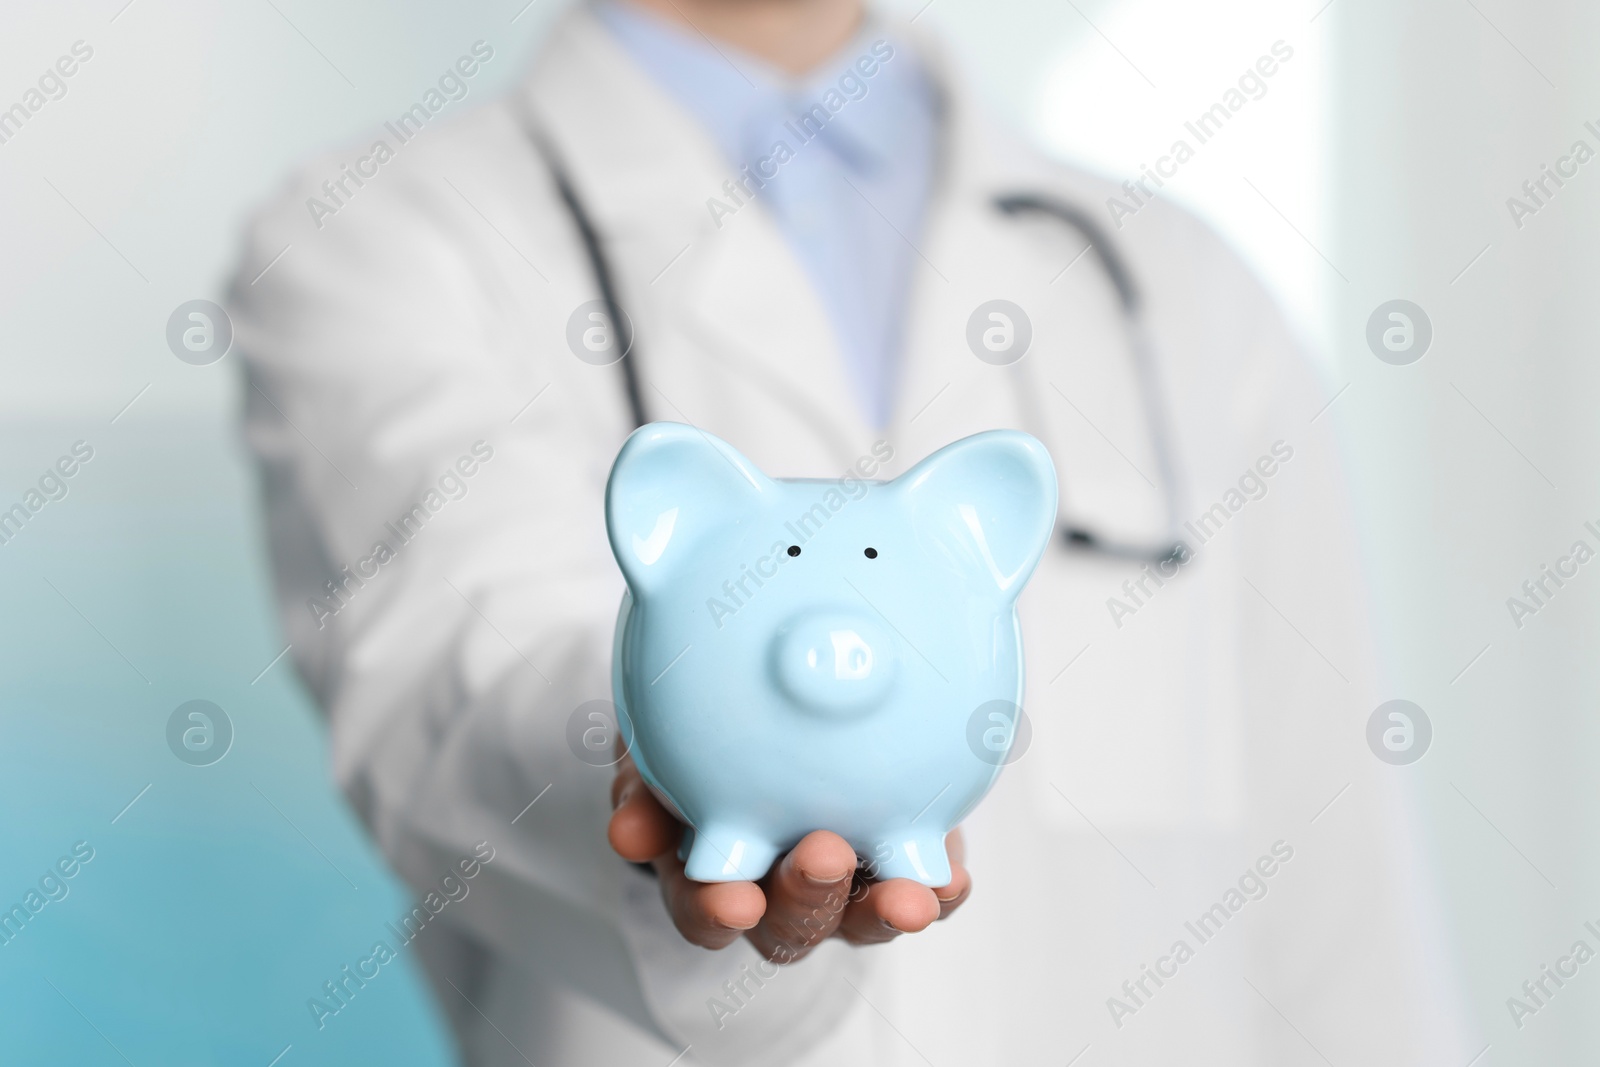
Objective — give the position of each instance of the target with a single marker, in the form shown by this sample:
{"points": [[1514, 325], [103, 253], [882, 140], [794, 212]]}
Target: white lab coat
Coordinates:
{"points": [[1169, 752]]}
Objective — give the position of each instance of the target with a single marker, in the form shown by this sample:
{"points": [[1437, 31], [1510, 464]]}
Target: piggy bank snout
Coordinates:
{"points": [[834, 663]]}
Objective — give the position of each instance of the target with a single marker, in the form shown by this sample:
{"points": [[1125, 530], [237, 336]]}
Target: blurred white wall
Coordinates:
{"points": [[1476, 464], [1112, 85], [125, 197]]}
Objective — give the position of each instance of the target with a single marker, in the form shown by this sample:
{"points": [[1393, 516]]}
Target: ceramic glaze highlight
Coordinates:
{"points": [[774, 677]]}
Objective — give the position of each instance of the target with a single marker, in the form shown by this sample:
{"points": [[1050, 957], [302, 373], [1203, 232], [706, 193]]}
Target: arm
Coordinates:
{"points": [[380, 351]]}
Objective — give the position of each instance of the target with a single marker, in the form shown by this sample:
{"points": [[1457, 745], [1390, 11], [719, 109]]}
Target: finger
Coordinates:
{"points": [[709, 914], [640, 829], [888, 909], [806, 895]]}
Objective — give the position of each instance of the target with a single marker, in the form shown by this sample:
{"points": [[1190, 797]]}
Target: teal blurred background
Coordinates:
{"points": [[219, 902]]}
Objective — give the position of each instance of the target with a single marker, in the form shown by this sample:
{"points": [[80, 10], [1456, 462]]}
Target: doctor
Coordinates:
{"points": [[806, 237]]}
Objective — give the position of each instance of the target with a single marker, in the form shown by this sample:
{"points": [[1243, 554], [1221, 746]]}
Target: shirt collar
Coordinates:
{"points": [[744, 102]]}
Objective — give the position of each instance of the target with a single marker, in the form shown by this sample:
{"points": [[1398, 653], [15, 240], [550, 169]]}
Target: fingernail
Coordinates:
{"points": [[733, 926], [623, 797], [820, 880]]}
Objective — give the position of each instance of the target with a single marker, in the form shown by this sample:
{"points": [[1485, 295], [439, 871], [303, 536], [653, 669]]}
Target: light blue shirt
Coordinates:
{"points": [[847, 189]]}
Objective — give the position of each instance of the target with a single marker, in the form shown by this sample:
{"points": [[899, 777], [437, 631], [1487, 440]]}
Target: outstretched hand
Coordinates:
{"points": [[812, 893]]}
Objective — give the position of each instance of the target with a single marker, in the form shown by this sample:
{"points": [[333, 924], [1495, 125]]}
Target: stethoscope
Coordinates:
{"points": [[1073, 536]]}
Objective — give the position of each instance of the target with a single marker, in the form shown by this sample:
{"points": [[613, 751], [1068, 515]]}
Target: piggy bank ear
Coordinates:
{"points": [[987, 504], [673, 488]]}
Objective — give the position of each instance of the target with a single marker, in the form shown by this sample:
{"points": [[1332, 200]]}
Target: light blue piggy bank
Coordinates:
{"points": [[797, 654]]}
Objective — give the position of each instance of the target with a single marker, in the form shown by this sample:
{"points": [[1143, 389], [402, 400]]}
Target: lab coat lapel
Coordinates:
{"points": [[713, 296], [965, 259]]}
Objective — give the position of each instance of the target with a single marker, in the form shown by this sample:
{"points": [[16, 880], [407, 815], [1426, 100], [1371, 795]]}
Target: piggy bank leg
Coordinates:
{"points": [[686, 844], [917, 855], [720, 853]]}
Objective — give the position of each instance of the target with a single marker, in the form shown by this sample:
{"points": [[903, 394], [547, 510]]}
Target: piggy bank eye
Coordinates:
{"points": [[872, 553], [794, 550]]}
